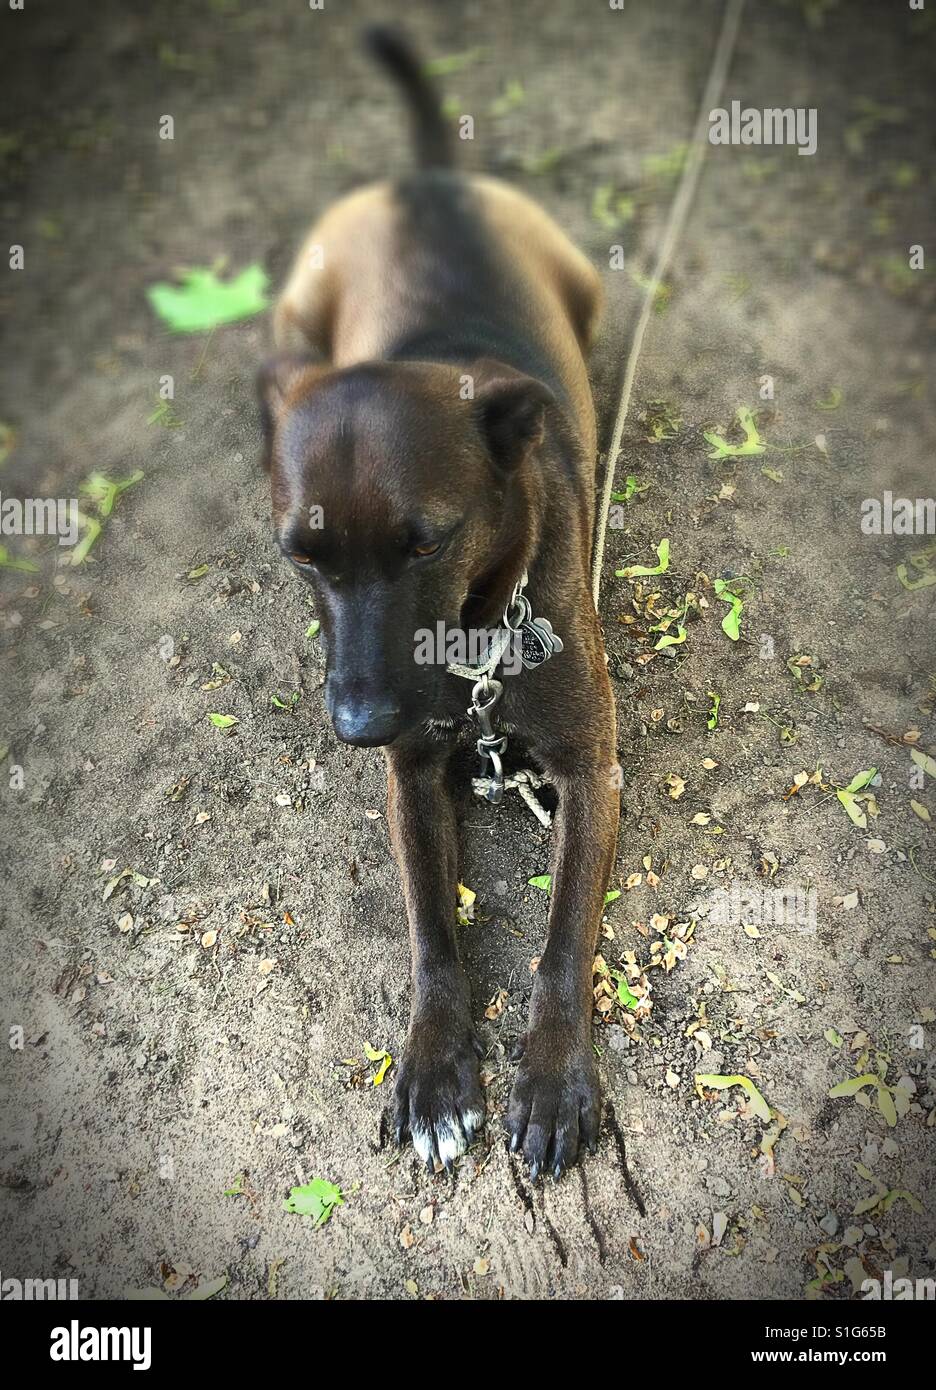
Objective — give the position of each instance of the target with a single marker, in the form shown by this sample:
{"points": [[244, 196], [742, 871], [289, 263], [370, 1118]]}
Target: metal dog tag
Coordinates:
{"points": [[538, 642]]}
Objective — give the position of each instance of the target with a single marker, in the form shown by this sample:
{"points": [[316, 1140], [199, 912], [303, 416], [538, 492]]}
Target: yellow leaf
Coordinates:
{"points": [[721, 1083], [922, 760]]}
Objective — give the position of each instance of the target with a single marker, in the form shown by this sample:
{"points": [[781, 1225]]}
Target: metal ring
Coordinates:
{"points": [[521, 602], [491, 689]]}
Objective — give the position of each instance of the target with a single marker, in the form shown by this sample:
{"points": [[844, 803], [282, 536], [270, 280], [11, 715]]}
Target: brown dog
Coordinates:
{"points": [[431, 439]]}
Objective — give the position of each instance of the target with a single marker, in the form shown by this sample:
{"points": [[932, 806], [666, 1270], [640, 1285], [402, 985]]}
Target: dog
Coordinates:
{"points": [[430, 438]]}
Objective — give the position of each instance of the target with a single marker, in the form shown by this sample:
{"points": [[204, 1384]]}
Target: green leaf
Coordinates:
{"points": [[93, 529], [203, 301], [901, 1194], [543, 881], [10, 562], [611, 895], [663, 557], [513, 96], [660, 290], [731, 622], [317, 1199], [624, 993], [224, 721], [313, 629], [850, 801], [611, 209], [886, 1104], [631, 488], [753, 444], [853, 810], [712, 721], [448, 64], [722, 1083], [104, 492], [853, 1085], [667, 640], [665, 167], [928, 577]]}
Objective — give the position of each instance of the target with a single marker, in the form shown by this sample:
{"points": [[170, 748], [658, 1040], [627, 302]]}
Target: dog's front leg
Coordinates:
{"points": [[438, 1092], [556, 1101]]}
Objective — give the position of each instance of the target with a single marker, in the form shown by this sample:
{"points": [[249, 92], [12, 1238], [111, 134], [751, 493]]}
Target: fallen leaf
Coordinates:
{"points": [[662, 565], [202, 301], [758, 1105], [317, 1199], [923, 760], [223, 721]]}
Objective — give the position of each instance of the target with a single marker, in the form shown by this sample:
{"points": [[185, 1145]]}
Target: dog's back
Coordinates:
{"points": [[460, 267]]}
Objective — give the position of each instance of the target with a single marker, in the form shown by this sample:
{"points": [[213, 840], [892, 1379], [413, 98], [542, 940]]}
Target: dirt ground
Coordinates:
{"points": [[189, 1038]]}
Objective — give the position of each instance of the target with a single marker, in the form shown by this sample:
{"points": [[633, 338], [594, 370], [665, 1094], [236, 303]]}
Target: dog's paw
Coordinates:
{"points": [[555, 1104], [438, 1100]]}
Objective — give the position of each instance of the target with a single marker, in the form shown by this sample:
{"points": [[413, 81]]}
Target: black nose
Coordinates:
{"points": [[365, 719]]}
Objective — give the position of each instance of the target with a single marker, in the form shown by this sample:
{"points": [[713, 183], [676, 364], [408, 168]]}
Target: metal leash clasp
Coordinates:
{"points": [[490, 745]]}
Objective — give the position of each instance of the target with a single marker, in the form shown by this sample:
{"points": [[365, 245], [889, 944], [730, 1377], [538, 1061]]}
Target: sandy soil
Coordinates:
{"points": [[157, 1073]]}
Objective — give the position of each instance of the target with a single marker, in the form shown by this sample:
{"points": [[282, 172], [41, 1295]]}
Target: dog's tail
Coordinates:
{"points": [[431, 136]]}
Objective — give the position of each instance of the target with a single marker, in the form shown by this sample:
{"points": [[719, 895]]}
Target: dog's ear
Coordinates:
{"points": [[281, 382], [511, 410]]}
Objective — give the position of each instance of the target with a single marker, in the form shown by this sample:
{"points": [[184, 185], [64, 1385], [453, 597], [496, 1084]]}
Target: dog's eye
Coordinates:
{"points": [[422, 551]]}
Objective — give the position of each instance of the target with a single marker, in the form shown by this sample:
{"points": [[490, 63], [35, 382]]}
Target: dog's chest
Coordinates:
{"points": [[461, 728]]}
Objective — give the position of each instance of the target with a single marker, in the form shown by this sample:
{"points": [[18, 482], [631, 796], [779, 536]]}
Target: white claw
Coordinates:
{"points": [[450, 1139], [472, 1121], [422, 1142], [446, 1137]]}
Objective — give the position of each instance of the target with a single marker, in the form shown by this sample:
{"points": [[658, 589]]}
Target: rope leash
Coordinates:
{"points": [[673, 230]]}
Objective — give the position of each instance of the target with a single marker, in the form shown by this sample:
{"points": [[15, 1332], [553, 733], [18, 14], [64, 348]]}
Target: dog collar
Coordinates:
{"points": [[537, 640], [538, 644]]}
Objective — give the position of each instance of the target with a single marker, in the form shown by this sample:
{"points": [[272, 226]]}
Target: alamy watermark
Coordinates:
{"points": [[37, 1290], [40, 516], [442, 646], [898, 516], [794, 908], [898, 1290], [77, 1343], [773, 126]]}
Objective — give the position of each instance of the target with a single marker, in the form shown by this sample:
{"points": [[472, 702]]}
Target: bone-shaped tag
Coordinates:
{"points": [[538, 642]]}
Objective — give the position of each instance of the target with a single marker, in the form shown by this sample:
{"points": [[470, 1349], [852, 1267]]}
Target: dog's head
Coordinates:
{"points": [[403, 492]]}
